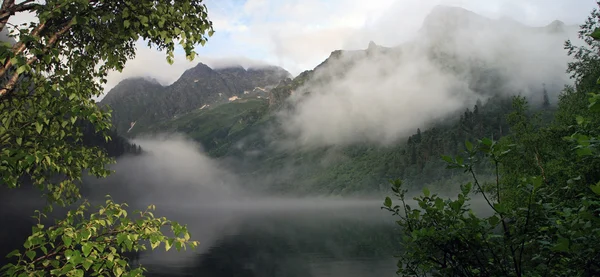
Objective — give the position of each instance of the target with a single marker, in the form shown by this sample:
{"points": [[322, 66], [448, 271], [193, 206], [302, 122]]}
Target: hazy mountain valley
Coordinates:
{"points": [[349, 125], [484, 130]]}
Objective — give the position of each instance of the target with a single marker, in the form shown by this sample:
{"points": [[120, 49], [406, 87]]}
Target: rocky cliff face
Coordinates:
{"points": [[145, 101]]}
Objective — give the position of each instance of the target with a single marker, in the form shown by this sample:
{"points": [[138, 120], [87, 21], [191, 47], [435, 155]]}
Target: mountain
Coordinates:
{"points": [[145, 101], [484, 53], [490, 60], [131, 98]]}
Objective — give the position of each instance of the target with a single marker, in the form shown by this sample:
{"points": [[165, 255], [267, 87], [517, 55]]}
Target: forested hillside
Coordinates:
{"points": [[249, 135], [543, 202]]}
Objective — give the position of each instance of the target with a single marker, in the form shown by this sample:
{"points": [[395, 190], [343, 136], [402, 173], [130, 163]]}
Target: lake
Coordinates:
{"points": [[284, 237], [269, 237]]}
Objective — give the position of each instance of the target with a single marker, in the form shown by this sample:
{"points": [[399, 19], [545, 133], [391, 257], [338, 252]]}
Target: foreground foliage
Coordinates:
{"points": [[541, 215], [49, 74], [75, 244]]}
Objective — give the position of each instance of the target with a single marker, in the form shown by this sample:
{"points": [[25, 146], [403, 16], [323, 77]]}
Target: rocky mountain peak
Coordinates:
{"points": [[145, 101]]}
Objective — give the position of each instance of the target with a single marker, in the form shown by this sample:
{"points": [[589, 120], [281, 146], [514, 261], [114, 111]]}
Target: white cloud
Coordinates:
{"points": [[151, 63], [299, 34], [384, 97]]}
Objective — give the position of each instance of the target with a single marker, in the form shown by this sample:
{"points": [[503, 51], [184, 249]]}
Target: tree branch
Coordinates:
{"points": [[9, 8], [6, 4], [18, 48], [13, 79]]}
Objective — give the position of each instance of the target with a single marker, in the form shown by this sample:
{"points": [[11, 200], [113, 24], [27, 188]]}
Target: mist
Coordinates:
{"points": [[380, 95], [175, 172], [217, 205]]}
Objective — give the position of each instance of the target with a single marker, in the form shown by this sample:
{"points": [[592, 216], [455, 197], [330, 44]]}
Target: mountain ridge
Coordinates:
{"points": [[144, 101], [246, 135]]}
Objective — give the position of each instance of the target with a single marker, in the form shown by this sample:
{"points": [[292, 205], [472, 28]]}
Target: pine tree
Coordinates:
{"points": [[546, 102]]}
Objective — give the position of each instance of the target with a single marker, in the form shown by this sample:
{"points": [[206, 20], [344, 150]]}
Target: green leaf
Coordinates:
{"points": [[594, 106], [469, 146], [387, 202], [537, 182], [466, 189], [21, 69], [30, 254], [14, 253], [85, 234], [168, 245], [39, 127], [126, 23], [584, 151], [78, 273], [86, 248], [426, 192], [67, 241], [121, 238], [117, 270], [439, 203], [487, 142], [595, 34], [596, 188], [562, 245], [448, 159], [154, 244], [19, 141], [87, 264], [494, 220]]}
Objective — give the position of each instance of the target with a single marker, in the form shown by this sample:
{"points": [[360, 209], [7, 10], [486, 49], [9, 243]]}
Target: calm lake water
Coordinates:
{"points": [[241, 232], [269, 237]]}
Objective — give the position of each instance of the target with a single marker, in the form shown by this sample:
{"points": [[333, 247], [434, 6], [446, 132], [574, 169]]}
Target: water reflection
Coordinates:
{"points": [[353, 241], [261, 237]]}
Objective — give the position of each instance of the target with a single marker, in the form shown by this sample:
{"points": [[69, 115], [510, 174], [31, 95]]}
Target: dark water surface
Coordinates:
{"points": [[284, 238], [266, 237]]}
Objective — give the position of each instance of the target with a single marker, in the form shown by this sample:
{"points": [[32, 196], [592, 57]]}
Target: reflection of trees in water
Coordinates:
{"points": [[254, 255], [264, 245], [291, 248]]}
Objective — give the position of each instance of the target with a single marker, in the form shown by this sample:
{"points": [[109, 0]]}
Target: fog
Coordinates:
{"points": [[189, 187], [174, 172], [216, 204], [383, 94]]}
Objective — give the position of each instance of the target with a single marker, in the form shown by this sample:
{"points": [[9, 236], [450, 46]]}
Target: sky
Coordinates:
{"points": [[299, 34]]}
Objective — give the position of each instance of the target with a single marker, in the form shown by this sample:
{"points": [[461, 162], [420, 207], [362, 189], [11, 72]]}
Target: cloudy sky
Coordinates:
{"points": [[299, 34]]}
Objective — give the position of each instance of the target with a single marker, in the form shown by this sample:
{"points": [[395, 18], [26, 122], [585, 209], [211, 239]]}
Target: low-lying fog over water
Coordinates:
{"points": [[244, 233], [241, 232]]}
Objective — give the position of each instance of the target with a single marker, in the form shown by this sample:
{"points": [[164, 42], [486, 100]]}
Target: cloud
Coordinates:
{"points": [[383, 97], [174, 169], [153, 64], [298, 35]]}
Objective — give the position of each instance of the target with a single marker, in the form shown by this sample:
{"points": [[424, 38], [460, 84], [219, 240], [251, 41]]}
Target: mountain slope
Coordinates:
{"points": [[250, 136], [145, 101]]}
